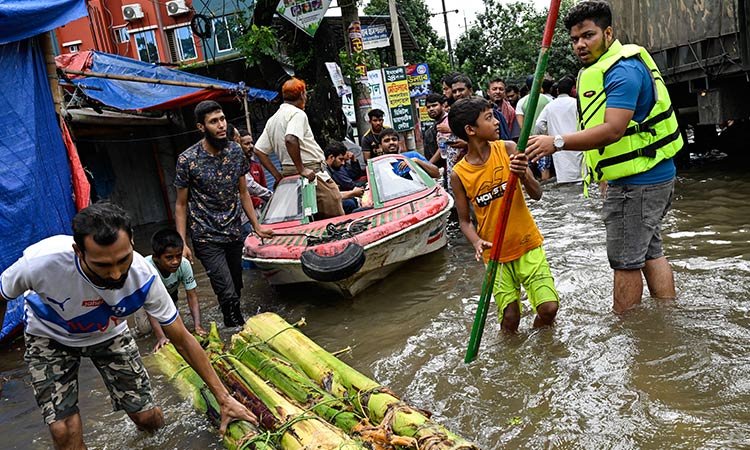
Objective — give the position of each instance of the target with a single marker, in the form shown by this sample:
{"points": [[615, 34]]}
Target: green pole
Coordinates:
{"points": [[483, 307]]}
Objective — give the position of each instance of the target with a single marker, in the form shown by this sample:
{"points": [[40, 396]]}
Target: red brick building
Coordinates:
{"points": [[149, 30]]}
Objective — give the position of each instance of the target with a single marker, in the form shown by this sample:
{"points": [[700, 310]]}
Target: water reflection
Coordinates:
{"points": [[666, 375]]}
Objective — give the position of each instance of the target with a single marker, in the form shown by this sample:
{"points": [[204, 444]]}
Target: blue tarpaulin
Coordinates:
{"points": [[21, 19], [133, 95], [35, 186]]}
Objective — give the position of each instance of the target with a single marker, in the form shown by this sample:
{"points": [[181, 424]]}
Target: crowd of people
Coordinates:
{"points": [[79, 289]]}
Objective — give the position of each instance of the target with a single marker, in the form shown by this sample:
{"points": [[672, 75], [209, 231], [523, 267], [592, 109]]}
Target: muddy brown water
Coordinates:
{"points": [[666, 375]]}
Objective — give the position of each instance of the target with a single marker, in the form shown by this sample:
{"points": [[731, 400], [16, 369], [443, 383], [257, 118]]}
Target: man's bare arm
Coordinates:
{"points": [[180, 219]]}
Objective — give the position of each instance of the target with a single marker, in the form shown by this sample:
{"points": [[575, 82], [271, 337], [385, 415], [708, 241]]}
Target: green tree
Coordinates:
{"points": [[505, 39], [431, 46]]}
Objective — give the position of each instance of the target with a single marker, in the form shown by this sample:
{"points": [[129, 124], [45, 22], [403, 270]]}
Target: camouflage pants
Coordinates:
{"points": [[54, 374]]}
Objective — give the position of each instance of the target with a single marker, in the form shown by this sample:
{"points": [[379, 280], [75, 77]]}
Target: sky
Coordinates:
{"points": [[468, 8]]}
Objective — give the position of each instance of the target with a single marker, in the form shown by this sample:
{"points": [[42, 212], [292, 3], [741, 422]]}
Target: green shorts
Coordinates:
{"points": [[54, 374], [530, 271]]}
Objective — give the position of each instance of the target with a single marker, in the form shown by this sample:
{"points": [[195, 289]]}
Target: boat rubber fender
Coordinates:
{"points": [[336, 267]]}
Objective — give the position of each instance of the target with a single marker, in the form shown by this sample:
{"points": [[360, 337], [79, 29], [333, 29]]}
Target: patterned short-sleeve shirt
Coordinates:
{"points": [[215, 209]]}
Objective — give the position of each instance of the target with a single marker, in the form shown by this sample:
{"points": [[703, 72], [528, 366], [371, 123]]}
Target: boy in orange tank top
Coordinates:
{"points": [[480, 180]]}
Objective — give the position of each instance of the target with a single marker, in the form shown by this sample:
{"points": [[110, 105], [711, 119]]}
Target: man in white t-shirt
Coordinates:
{"points": [[289, 136], [544, 165], [78, 292], [558, 118]]}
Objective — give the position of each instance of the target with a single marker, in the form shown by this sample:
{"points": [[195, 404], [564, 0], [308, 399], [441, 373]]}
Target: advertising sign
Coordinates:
{"points": [[304, 14], [377, 95], [375, 36], [356, 45], [425, 121], [399, 100], [418, 76], [338, 79]]}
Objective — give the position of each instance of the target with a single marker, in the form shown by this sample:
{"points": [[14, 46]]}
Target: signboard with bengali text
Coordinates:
{"points": [[375, 36], [377, 95], [399, 100], [418, 76]]}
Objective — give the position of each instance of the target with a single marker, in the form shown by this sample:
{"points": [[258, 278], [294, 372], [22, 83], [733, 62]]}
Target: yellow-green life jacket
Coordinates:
{"points": [[644, 144]]}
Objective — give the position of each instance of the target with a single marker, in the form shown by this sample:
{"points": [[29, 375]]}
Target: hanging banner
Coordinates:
{"points": [[337, 78], [375, 36], [377, 95], [347, 105], [399, 100], [304, 14], [418, 76], [425, 121], [354, 30]]}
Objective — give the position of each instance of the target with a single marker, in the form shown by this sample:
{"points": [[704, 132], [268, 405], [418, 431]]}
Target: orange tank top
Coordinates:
{"points": [[485, 186]]}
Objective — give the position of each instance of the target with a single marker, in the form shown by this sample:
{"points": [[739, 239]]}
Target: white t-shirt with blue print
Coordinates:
{"points": [[62, 304]]}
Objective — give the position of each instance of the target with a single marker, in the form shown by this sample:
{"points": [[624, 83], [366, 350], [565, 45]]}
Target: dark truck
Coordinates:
{"points": [[702, 48]]}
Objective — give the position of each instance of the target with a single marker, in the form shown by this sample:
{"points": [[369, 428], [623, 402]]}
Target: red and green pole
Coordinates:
{"points": [[489, 277]]}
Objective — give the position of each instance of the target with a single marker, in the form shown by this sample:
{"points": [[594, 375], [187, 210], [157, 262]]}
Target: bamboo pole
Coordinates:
{"points": [[49, 61], [191, 385], [336, 377], [111, 76], [488, 283]]}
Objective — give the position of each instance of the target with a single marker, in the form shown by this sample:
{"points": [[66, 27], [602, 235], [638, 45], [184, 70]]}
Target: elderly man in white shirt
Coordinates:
{"points": [[288, 134]]}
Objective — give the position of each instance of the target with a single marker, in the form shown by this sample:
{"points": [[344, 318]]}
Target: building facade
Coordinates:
{"points": [[157, 31]]}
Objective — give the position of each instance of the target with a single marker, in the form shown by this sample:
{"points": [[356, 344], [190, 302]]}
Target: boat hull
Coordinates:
{"points": [[382, 258]]}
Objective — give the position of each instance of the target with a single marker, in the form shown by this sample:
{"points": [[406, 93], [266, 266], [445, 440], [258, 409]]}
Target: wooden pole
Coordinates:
{"points": [[247, 112], [49, 61], [110, 76]]}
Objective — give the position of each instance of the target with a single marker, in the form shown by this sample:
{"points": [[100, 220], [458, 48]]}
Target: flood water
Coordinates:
{"points": [[664, 375]]}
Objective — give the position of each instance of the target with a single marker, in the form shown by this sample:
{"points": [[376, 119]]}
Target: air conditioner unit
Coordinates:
{"points": [[132, 12], [177, 7]]}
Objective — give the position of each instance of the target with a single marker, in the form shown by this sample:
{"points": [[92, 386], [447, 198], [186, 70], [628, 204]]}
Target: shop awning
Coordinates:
{"points": [[123, 83]]}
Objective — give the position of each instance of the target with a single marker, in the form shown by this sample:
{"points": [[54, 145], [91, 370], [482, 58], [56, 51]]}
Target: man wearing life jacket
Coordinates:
{"points": [[629, 134]]}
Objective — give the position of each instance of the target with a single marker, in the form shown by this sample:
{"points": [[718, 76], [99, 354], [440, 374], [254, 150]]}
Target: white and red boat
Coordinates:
{"points": [[405, 217]]}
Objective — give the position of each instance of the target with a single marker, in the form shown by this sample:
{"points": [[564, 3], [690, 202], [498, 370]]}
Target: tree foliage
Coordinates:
{"points": [[431, 46], [505, 40]]}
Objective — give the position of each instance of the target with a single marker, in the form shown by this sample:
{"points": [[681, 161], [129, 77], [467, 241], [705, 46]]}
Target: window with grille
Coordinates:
{"points": [[181, 44]]}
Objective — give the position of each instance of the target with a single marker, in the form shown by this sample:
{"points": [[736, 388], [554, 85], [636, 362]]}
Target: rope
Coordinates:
{"points": [[335, 233]]}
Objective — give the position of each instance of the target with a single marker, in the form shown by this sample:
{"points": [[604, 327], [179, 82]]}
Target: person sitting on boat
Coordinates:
{"points": [[370, 142], [335, 160], [289, 136], [480, 179], [174, 270], [389, 143]]}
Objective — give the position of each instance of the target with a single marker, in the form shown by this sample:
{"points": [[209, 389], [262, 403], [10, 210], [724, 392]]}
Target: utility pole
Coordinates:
{"points": [[447, 31], [411, 143], [360, 86], [396, 31]]}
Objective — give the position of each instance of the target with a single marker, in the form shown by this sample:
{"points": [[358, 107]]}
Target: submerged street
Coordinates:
{"points": [[664, 375]]}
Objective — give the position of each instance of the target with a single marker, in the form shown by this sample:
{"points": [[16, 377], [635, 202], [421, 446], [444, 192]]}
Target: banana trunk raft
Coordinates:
{"points": [[303, 396]]}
